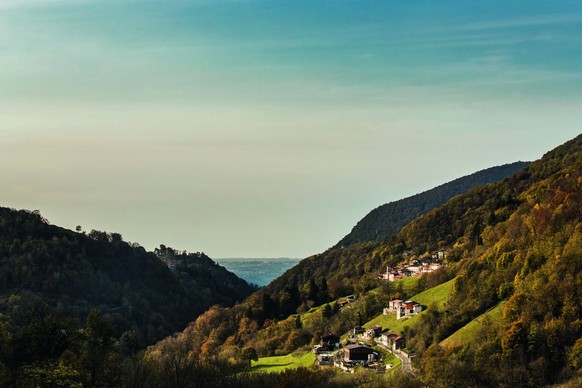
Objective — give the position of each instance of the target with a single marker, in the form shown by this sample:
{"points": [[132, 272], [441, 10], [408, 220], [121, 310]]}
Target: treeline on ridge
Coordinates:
{"points": [[386, 220], [73, 272]]}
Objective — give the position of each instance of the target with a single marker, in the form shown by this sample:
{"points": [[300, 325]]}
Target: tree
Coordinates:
{"points": [[98, 345], [51, 374], [298, 323], [250, 354], [313, 291], [128, 343], [327, 311]]}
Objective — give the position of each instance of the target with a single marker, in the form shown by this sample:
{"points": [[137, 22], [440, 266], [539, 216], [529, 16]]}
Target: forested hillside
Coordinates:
{"points": [[72, 273], [388, 219], [518, 241]]}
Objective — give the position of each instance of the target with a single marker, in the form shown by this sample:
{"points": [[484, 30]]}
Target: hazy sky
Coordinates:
{"points": [[269, 128]]}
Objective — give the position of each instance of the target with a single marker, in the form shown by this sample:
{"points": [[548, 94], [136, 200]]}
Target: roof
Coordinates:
{"points": [[357, 346]]}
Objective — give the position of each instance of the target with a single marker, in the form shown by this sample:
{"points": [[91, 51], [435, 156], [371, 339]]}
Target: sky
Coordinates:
{"points": [[251, 128]]}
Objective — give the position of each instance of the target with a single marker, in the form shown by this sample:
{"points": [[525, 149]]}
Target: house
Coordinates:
{"points": [[329, 341], [373, 332], [408, 309], [393, 305], [358, 352], [402, 309], [434, 266], [386, 276], [324, 359], [392, 341], [357, 330]]}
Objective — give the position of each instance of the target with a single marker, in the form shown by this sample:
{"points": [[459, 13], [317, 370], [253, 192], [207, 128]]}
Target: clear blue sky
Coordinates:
{"points": [[269, 128]]}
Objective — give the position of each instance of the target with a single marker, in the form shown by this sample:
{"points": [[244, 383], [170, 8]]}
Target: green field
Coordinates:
{"points": [[280, 363], [439, 295], [468, 332], [389, 358], [408, 283]]}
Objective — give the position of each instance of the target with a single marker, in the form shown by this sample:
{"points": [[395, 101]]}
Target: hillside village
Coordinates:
{"points": [[415, 267], [368, 347]]}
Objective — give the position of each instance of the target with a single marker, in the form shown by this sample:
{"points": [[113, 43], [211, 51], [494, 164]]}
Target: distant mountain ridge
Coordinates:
{"points": [[386, 220]]}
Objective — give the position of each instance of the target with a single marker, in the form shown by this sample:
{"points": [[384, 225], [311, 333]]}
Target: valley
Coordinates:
{"points": [[472, 283]]}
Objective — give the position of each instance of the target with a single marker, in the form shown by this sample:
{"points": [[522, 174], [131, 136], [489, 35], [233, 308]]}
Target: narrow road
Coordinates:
{"points": [[406, 366]]}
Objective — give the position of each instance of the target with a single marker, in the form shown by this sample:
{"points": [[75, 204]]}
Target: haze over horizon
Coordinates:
{"points": [[268, 129]]}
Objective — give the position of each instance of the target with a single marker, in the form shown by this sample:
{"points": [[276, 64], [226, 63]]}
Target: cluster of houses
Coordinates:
{"points": [[415, 267], [403, 309], [330, 352], [344, 302], [351, 354]]}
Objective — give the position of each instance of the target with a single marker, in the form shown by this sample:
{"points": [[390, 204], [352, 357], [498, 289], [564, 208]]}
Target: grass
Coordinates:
{"points": [[439, 295], [280, 363], [468, 332], [389, 358], [408, 283], [317, 308]]}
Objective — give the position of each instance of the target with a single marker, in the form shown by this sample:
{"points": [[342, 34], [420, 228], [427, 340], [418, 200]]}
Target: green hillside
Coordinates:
{"points": [[280, 363], [435, 296], [353, 264], [438, 295], [467, 333]]}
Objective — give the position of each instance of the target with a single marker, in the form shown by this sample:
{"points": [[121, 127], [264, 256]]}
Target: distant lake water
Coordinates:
{"points": [[258, 271]]}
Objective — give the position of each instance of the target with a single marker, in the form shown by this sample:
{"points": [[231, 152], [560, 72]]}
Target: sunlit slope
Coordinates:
{"points": [[468, 332], [436, 296]]}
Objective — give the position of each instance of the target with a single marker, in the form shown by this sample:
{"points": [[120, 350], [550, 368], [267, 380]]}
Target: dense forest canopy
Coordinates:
{"points": [[74, 272]]}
